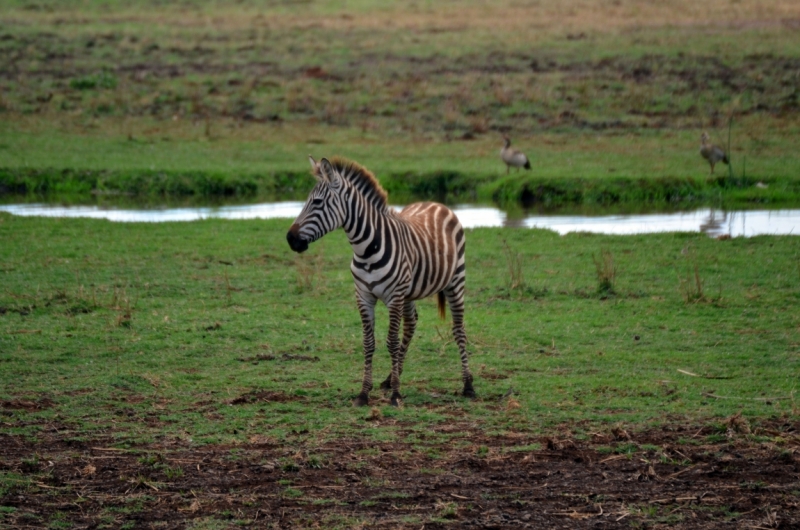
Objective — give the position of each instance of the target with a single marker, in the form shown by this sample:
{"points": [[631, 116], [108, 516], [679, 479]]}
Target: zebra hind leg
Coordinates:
{"points": [[455, 299], [396, 309], [366, 307], [409, 326]]}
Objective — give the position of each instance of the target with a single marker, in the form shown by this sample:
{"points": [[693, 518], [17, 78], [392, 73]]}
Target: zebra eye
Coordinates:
{"points": [[316, 202]]}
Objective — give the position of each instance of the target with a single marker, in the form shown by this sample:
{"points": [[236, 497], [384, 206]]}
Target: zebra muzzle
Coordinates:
{"points": [[296, 244]]}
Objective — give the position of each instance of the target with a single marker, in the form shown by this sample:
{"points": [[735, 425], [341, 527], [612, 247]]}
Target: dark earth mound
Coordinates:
{"points": [[678, 477]]}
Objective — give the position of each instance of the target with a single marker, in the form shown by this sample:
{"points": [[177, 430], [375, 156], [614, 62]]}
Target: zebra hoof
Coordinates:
{"points": [[396, 400], [361, 401], [469, 393]]}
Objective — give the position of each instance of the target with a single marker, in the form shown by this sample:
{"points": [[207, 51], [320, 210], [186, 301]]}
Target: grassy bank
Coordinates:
{"points": [[225, 97], [146, 332], [81, 185], [139, 186]]}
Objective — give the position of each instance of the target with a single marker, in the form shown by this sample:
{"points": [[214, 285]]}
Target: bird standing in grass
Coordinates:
{"points": [[512, 157], [711, 152]]}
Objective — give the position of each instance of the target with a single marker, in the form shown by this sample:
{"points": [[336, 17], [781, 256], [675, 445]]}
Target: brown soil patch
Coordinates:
{"points": [[283, 357], [678, 477], [24, 404], [263, 396]]}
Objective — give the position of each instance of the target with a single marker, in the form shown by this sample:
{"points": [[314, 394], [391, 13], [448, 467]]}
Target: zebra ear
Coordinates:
{"points": [[315, 169], [328, 173]]}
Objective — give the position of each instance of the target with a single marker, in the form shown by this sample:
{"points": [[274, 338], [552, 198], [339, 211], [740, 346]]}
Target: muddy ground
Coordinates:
{"points": [[679, 476]]}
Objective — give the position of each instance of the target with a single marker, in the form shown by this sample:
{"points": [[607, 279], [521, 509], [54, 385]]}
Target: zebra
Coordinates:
{"points": [[398, 258]]}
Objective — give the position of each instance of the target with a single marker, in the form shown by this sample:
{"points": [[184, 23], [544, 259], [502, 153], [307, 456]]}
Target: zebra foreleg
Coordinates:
{"points": [[366, 307], [409, 326], [455, 299]]}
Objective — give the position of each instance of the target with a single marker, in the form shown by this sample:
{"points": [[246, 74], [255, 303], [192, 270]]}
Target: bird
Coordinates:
{"points": [[513, 157], [711, 152]]}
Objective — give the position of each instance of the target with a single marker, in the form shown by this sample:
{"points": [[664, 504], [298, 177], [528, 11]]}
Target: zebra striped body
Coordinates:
{"points": [[398, 258]]}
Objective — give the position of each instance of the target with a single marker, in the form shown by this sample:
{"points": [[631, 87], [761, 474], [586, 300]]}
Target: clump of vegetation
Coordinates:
{"points": [[105, 80], [308, 271], [606, 272], [515, 279], [123, 305], [692, 285]]}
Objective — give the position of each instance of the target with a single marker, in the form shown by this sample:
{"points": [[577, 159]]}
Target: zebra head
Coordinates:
{"points": [[323, 210]]}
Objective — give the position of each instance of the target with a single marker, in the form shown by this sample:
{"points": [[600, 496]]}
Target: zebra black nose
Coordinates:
{"points": [[297, 244]]}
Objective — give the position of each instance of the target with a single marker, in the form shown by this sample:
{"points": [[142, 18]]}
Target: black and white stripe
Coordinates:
{"points": [[398, 258]]}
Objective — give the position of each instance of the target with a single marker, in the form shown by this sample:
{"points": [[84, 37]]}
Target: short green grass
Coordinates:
{"points": [[214, 331]]}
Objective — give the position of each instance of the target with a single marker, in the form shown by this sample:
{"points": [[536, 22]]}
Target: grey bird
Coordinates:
{"points": [[711, 152], [513, 157]]}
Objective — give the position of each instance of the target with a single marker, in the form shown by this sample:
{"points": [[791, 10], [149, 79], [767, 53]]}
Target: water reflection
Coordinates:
{"points": [[159, 215], [714, 222]]}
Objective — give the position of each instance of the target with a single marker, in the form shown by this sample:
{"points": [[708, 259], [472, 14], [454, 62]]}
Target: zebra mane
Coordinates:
{"points": [[362, 179]]}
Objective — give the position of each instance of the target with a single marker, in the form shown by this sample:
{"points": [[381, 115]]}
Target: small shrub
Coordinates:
{"points": [[121, 302], [692, 285], [308, 272], [515, 279], [606, 272]]}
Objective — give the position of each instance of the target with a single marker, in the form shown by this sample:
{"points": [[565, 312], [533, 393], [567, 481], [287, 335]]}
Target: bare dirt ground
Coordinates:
{"points": [[680, 476]]}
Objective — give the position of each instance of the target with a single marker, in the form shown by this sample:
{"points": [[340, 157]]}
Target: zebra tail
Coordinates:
{"points": [[441, 305]]}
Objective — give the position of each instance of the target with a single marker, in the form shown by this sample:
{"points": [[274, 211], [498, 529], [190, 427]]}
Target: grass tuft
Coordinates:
{"points": [[606, 273], [692, 285], [515, 279]]}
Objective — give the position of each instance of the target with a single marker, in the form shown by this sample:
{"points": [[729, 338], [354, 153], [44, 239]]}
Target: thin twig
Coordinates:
{"points": [[682, 471]]}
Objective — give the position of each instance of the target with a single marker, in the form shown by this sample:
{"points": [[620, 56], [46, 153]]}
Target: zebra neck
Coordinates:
{"points": [[364, 225]]}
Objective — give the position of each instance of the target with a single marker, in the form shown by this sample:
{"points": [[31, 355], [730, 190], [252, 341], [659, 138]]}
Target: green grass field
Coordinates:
{"points": [[115, 323], [200, 375], [228, 98]]}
